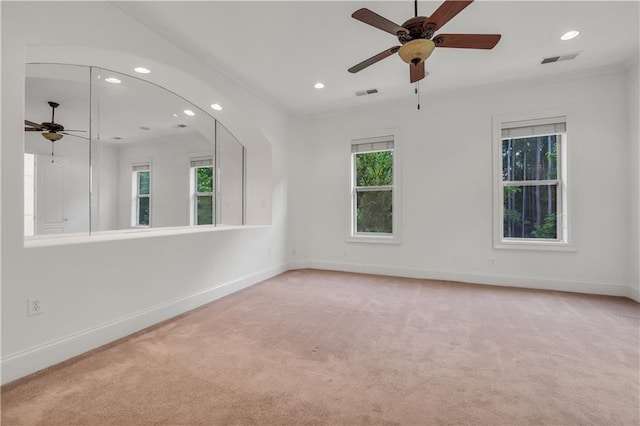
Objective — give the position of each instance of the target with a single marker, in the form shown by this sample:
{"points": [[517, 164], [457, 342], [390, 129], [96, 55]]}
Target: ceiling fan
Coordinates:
{"points": [[51, 131], [416, 36]]}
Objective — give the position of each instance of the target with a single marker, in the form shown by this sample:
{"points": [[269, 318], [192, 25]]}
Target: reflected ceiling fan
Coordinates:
{"points": [[51, 131], [416, 36]]}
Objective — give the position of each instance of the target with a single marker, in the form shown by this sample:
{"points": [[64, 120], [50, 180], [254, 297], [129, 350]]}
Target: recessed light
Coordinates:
{"points": [[112, 80], [319, 85], [175, 115], [189, 112], [142, 70], [570, 34], [217, 107]]}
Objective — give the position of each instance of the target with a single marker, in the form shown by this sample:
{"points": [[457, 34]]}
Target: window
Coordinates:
{"points": [[202, 184], [141, 195], [372, 188], [532, 193]]}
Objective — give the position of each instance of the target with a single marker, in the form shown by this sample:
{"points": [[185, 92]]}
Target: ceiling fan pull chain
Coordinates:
{"points": [[417, 90], [52, 152]]}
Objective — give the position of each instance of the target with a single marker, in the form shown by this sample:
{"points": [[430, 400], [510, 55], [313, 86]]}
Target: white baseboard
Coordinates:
{"points": [[590, 287], [22, 363], [634, 293]]}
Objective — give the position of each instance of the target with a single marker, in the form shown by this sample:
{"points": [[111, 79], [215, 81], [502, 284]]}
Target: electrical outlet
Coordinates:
{"points": [[492, 260], [34, 307]]}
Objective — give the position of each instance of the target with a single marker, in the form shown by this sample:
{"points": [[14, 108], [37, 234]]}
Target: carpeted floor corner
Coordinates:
{"points": [[315, 347]]}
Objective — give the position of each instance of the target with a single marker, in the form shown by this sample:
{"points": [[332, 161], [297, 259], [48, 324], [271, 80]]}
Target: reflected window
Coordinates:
{"points": [[141, 195], [202, 196]]}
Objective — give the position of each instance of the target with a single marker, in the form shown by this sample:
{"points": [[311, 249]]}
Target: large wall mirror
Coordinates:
{"points": [[108, 152]]}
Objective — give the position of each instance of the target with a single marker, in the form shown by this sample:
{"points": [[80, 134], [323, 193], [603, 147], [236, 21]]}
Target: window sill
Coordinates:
{"points": [[127, 234], [373, 239], [534, 246]]}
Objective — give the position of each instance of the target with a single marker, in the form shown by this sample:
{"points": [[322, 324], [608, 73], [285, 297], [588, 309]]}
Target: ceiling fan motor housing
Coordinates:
{"points": [[416, 46]]}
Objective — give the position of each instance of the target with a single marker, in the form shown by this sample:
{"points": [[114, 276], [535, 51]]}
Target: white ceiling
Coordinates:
{"points": [[278, 50]]}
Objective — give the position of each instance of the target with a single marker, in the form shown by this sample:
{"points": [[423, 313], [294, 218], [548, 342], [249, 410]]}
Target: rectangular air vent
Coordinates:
{"points": [[566, 57], [549, 60], [366, 92]]}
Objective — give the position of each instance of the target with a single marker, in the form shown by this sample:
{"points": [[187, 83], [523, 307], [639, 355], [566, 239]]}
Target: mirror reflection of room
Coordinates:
{"points": [[120, 153]]}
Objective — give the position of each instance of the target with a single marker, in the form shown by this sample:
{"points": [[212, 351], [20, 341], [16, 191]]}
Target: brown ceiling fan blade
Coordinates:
{"points": [[77, 136], [444, 13], [467, 41], [372, 60], [375, 20], [36, 126], [417, 72], [32, 129]]}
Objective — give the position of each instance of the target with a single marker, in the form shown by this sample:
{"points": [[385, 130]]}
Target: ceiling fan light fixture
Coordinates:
{"points": [[416, 51], [52, 136]]}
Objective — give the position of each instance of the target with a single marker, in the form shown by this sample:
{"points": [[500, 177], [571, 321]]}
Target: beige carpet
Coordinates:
{"points": [[317, 348]]}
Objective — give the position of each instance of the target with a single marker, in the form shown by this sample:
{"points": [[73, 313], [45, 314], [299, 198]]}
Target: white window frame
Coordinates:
{"points": [[194, 164], [136, 196], [377, 140], [542, 123]]}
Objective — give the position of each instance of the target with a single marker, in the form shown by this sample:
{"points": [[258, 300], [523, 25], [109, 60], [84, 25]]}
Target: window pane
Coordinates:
{"points": [[374, 212], [530, 211], [143, 182], [532, 158], [374, 168], [143, 211], [204, 181], [204, 212]]}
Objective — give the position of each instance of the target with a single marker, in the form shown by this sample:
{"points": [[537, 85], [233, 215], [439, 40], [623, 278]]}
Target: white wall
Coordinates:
{"points": [[230, 178], [634, 165], [95, 290], [107, 189], [446, 165]]}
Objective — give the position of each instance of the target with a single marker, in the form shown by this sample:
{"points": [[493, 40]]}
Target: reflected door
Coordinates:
{"points": [[50, 204]]}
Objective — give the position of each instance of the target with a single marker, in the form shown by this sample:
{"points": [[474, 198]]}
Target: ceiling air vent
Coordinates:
{"points": [[566, 57], [366, 92]]}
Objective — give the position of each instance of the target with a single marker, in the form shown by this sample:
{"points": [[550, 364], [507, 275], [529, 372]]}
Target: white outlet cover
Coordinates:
{"points": [[34, 307]]}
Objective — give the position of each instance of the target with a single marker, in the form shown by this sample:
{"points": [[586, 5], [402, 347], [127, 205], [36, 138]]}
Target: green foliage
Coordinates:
{"points": [[204, 210], [374, 212], [548, 228], [143, 182], [143, 211], [204, 179], [374, 168]]}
